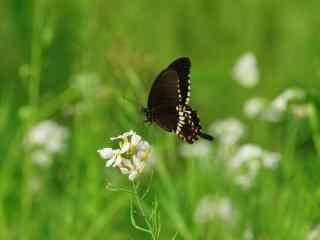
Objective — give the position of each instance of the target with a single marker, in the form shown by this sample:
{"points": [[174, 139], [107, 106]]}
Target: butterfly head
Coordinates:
{"points": [[147, 115]]}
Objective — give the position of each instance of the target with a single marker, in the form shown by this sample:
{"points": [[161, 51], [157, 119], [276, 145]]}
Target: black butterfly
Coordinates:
{"points": [[168, 102]]}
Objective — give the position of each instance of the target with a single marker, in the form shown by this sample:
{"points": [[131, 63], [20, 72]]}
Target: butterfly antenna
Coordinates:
{"points": [[206, 136]]}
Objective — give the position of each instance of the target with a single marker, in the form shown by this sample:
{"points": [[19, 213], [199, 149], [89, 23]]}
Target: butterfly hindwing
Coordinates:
{"points": [[188, 127], [166, 117]]}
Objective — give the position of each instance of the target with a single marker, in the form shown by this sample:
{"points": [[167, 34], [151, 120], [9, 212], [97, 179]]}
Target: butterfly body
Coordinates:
{"points": [[168, 102]]}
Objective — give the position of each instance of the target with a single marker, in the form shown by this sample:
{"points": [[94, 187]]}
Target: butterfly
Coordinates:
{"points": [[168, 102]]}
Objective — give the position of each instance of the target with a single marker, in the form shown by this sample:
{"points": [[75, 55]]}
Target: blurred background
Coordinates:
{"points": [[75, 73]]}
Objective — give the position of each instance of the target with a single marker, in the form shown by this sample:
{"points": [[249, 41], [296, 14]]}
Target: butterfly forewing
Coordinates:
{"points": [[164, 90], [182, 67]]}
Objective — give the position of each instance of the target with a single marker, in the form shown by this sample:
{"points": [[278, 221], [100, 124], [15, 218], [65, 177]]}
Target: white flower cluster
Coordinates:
{"points": [[244, 161], [247, 161], [245, 70], [45, 140], [130, 157], [254, 107], [290, 100], [228, 131], [212, 208]]}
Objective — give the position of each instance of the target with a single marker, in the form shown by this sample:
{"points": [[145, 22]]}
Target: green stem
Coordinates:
{"points": [[33, 92], [149, 228], [36, 52]]}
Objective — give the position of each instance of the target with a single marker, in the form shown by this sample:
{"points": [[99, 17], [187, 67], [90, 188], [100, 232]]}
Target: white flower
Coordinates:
{"points": [[254, 107], [228, 131], [198, 149], [212, 208], [275, 111], [245, 181], [132, 168], [270, 159], [314, 234], [247, 161], [130, 157], [106, 153], [293, 94], [225, 210], [245, 154], [45, 140], [113, 156], [48, 135], [245, 70]]}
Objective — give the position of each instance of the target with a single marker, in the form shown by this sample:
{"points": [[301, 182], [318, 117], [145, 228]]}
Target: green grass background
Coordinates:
{"points": [[45, 43]]}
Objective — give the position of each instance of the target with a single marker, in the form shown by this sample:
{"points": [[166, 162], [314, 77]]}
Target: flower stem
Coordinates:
{"points": [[150, 228]]}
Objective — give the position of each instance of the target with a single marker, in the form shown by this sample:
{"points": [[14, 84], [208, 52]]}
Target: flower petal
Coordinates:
{"points": [[124, 135], [135, 139], [133, 175], [109, 162], [105, 153], [125, 147]]}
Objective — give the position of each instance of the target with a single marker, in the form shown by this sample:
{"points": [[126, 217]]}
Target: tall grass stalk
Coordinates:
{"points": [[34, 94]]}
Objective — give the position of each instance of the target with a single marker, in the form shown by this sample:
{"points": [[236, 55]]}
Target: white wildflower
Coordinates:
{"points": [[280, 104], [48, 135], [246, 153], [198, 149], [314, 234], [254, 107], [228, 131], [245, 70], [131, 157], [270, 159], [245, 181], [106, 153], [113, 155], [44, 141], [293, 94], [247, 161], [212, 208]]}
